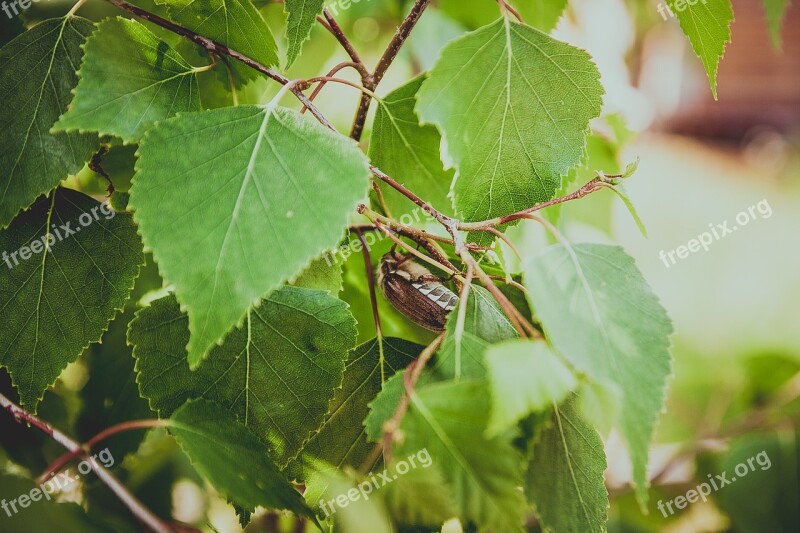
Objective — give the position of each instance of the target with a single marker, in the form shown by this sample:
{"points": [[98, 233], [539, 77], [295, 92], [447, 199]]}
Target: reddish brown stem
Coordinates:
{"points": [[62, 461]]}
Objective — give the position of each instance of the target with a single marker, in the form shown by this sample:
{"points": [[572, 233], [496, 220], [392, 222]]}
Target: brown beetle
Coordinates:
{"points": [[414, 291]]}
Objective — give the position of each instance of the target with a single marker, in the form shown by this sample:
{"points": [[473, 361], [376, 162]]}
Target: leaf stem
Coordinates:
{"points": [[75, 8], [136, 507]]}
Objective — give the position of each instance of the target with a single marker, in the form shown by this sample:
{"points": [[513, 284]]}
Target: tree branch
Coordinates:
{"points": [[214, 47], [332, 26], [131, 502], [371, 83]]}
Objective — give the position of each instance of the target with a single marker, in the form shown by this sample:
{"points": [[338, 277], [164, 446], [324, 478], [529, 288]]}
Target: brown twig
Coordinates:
{"points": [[131, 502], [412, 375], [332, 26], [87, 447], [214, 47], [371, 283], [371, 82]]}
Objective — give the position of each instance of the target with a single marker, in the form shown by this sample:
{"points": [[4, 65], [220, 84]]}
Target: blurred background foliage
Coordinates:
{"points": [[736, 308]]}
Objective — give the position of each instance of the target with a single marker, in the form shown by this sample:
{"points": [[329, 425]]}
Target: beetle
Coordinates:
{"points": [[414, 291]]}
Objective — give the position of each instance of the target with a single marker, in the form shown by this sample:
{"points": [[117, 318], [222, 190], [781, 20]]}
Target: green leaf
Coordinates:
{"points": [[514, 107], [599, 312], [341, 439], [383, 407], [277, 374], [37, 73], [448, 420], [524, 377], [358, 515], [419, 497], [251, 209], [620, 191], [463, 351], [302, 17], [129, 80], [55, 301], [232, 458], [236, 24], [565, 476], [776, 12], [409, 152], [324, 274], [541, 14], [708, 26]]}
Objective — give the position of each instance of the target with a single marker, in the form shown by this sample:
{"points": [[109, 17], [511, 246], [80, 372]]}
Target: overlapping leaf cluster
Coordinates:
{"points": [[253, 358]]}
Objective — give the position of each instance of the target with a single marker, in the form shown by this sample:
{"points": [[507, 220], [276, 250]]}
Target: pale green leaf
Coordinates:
{"points": [[383, 406], [565, 476], [484, 475], [623, 195], [707, 24], [302, 17], [255, 194], [341, 439], [56, 300], [599, 313], [37, 73], [233, 459], [524, 377], [129, 80], [324, 274], [236, 24], [514, 107], [277, 374], [419, 497], [357, 515], [409, 152], [541, 14], [776, 11]]}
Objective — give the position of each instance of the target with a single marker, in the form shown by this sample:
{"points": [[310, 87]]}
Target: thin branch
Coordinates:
{"points": [[450, 224], [62, 461], [332, 26], [412, 375], [214, 47], [330, 79], [371, 83], [594, 185], [371, 283], [322, 84], [131, 502]]}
